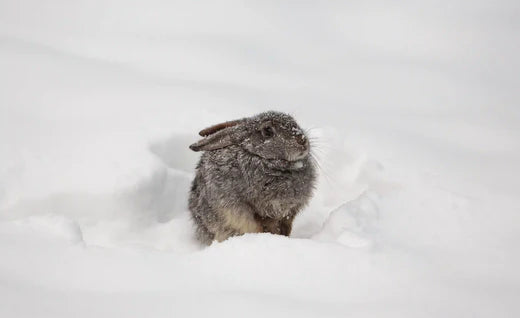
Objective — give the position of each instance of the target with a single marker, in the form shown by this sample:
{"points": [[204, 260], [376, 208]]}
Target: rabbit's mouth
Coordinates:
{"points": [[285, 165], [297, 156], [294, 160], [297, 165]]}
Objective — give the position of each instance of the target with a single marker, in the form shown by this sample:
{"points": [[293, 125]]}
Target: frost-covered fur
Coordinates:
{"points": [[255, 175]]}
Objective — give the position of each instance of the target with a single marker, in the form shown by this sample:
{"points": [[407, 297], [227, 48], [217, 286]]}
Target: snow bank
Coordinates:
{"points": [[413, 116]]}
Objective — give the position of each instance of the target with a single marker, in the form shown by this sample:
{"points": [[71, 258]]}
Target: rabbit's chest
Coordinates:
{"points": [[279, 197], [275, 208]]}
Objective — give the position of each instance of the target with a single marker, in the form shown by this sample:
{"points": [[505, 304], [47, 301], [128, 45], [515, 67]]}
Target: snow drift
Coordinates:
{"points": [[413, 109]]}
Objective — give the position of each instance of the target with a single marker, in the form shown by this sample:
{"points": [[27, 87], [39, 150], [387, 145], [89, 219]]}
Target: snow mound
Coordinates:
{"points": [[50, 225], [350, 224], [412, 112]]}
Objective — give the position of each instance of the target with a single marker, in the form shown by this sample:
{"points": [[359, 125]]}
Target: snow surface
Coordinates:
{"points": [[414, 113]]}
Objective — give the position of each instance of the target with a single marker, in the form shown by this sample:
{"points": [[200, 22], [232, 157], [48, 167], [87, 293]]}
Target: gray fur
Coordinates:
{"points": [[254, 176]]}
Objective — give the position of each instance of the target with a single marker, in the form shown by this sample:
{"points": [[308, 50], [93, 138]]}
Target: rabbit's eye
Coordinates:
{"points": [[268, 132]]}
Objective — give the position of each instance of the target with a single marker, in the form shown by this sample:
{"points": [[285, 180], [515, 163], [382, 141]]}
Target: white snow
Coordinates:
{"points": [[413, 114]]}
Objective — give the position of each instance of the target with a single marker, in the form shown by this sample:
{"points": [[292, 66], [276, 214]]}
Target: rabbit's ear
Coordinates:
{"points": [[223, 138], [213, 129]]}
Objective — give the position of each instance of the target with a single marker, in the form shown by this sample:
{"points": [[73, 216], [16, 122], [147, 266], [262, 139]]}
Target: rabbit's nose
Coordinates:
{"points": [[301, 140]]}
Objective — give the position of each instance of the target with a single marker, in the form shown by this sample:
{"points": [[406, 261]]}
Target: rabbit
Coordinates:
{"points": [[254, 176]]}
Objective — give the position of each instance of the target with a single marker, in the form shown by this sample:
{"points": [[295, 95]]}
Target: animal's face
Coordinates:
{"points": [[275, 135]]}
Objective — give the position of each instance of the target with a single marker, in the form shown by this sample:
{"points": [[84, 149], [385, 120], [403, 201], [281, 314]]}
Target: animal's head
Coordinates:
{"points": [[270, 135]]}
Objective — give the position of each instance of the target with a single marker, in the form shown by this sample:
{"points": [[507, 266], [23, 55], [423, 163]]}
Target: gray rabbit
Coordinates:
{"points": [[254, 176]]}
